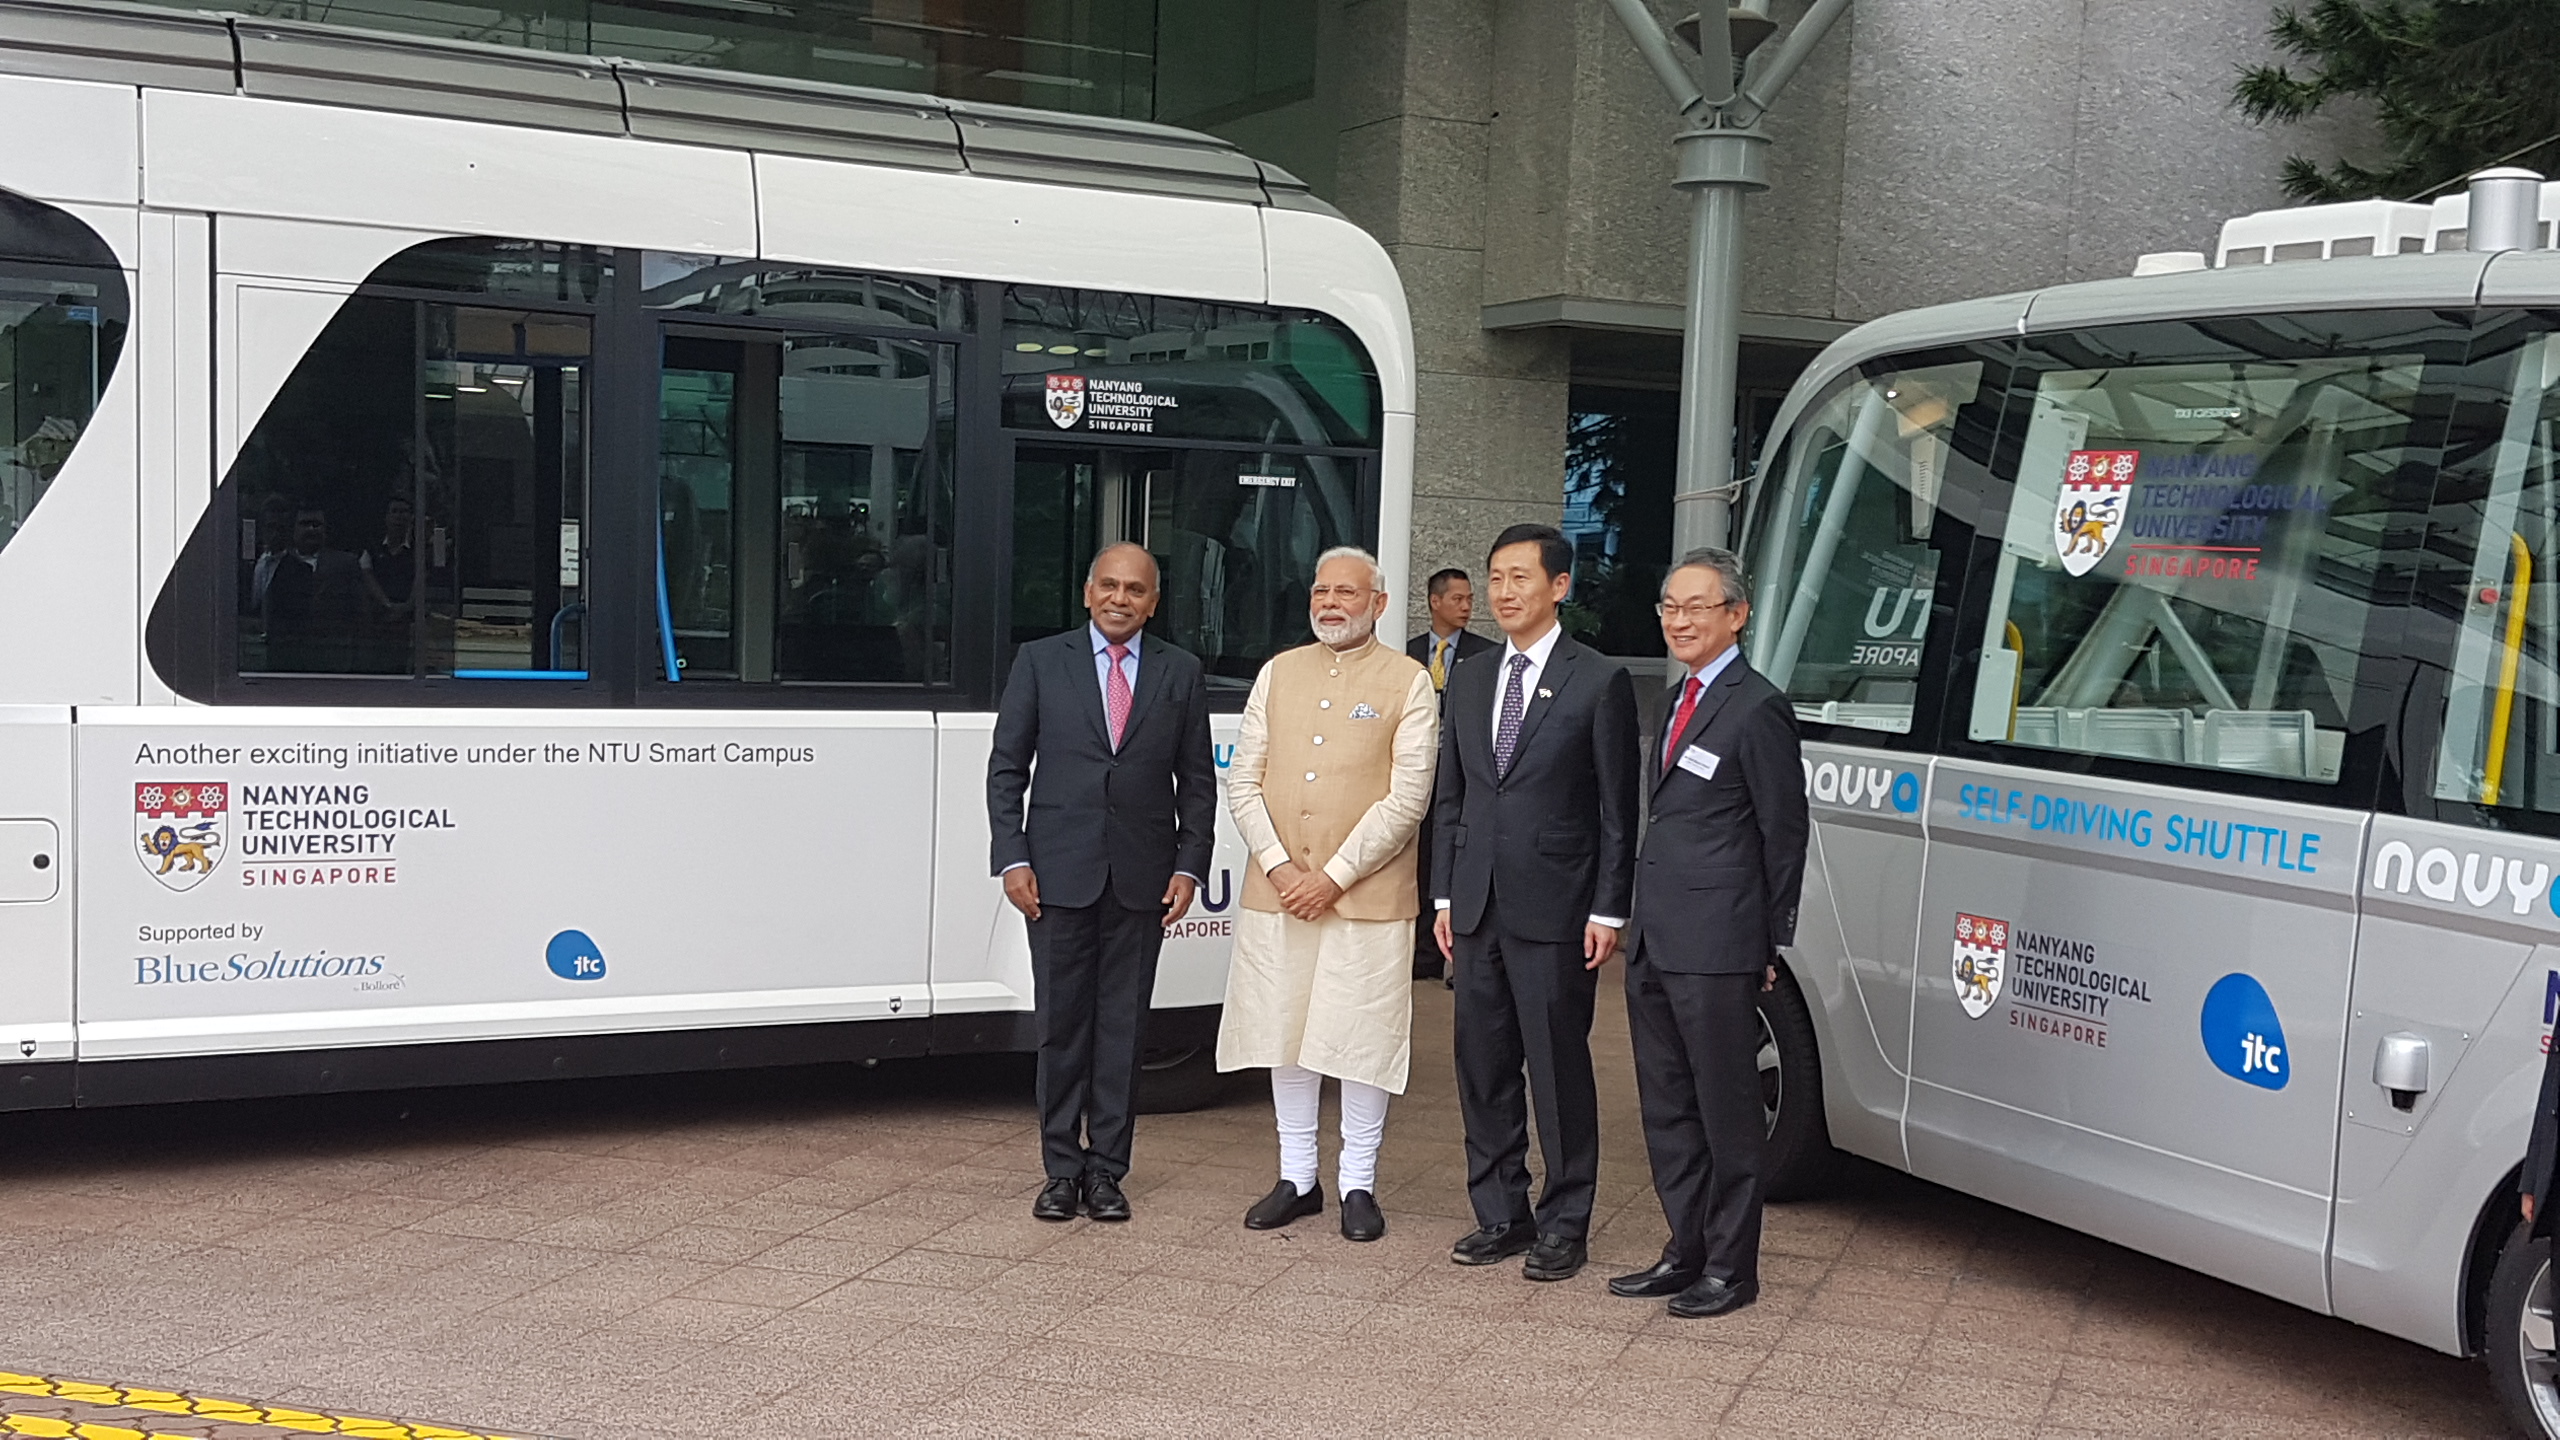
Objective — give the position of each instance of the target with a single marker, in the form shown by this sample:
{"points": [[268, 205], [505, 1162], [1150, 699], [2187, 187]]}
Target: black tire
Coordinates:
{"points": [[2522, 1367], [1800, 1161], [1181, 1078]]}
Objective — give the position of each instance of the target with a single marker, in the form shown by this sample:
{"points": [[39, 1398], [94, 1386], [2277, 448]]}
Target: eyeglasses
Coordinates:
{"points": [[1694, 610], [1347, 594]]}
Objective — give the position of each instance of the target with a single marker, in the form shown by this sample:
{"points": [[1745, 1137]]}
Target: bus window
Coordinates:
{"points": [[1850, 540], [62, 322], [2191, 553], [2489, 616], [414, 501], [805, 508]]}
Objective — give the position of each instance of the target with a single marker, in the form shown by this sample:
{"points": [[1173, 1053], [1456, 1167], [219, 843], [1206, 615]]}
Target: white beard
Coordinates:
{"points": [[1344, 633]]}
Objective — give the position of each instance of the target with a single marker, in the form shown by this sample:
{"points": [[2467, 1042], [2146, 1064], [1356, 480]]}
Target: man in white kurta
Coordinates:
{"points": [[1328, 784]]}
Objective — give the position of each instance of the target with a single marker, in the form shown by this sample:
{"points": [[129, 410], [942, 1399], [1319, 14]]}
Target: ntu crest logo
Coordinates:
{"points": [[1066, 400], [180, 827]]}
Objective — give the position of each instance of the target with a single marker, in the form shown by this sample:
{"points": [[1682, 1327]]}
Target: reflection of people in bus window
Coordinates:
{"points": [[390, 564], [313, 599], [274, 538]]}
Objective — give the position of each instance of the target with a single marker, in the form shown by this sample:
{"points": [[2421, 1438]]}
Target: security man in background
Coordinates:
{"points": [[1121, 818], [1715, 896], [1451, 598]]}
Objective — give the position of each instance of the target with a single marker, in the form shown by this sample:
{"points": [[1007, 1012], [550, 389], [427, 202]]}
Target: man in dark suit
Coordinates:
{"points": [[1120, 823], [1535, 842], [1716, 891], [1438, 649]]}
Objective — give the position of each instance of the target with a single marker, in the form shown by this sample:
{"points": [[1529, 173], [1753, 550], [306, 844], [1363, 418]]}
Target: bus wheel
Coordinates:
{"points": [[1180, 1078], [2524, 1360], [1800, 1160]]}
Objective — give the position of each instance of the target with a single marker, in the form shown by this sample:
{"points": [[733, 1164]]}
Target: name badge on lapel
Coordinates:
{"points": [[1700, 762]]}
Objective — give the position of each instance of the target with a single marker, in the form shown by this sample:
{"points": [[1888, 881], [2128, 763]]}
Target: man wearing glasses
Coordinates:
{"points": [[1715, 896]]}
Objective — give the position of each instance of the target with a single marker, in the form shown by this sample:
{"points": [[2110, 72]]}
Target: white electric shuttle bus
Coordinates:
{"points": [[2178, 660], [509, 559]]}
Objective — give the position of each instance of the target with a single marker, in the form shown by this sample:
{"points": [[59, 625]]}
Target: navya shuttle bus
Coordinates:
{"points": [[510, 558], [2178, 660]]}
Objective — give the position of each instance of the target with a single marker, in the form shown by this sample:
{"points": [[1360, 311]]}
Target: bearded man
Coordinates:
{"points": [[1328, 784]]}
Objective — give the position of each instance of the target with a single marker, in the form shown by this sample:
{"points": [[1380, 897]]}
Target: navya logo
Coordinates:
{"points": [[2242, 1035], [1834, 782], [2481, 880], [572, 956]]}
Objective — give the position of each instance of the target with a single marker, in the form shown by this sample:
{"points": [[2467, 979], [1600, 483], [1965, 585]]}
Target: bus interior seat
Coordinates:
{"points": [[2134, 734], [2269, 742]]}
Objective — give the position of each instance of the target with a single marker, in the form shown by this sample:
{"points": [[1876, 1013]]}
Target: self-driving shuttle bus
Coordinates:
{"points": [[508, 559], [2178, 660]]}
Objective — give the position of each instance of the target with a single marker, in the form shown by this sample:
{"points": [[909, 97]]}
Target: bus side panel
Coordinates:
{"points": [[982, 954], [78, 140], [292, 879], [2473, 971], [36, 879], [73, 564], [2131, 1013], [1854, 938]]}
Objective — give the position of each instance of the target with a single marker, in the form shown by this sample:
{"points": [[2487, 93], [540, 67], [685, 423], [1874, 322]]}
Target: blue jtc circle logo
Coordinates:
{"points": [[572, 956]]}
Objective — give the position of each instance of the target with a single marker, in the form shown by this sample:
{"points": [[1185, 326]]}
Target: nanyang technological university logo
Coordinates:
{"points": [[180, 828]]}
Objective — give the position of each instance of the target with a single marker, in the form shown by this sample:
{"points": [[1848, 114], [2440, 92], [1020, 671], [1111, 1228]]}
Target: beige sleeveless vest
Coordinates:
{"points": [[1331, 721]]}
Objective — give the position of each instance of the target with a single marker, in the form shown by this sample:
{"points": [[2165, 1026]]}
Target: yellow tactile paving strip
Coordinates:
{"points": [[196, 1407]]}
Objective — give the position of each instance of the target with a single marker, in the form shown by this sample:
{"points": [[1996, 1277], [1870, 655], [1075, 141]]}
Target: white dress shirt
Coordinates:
{"points": [[1538, 651]]}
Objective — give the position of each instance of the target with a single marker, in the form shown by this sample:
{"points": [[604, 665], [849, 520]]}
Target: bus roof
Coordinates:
{"points": [[2454, 280], [275, 59]]}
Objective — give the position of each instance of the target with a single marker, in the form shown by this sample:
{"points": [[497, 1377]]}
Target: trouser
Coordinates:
{"points": [[1093, 971], [1526, 1005], [1296, 1092], [1426, 946], [1697, 1050]]}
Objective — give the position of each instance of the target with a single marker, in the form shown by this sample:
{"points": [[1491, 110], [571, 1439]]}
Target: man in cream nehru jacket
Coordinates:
{"points": [[1327, 786]]}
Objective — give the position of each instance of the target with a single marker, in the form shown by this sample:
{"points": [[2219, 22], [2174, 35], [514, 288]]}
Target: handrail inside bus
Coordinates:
{"points": [[2016, 640], [2494, 772]]}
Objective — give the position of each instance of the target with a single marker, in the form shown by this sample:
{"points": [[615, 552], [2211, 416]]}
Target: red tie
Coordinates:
{"points": [[1680, 721], [1115, 695]]}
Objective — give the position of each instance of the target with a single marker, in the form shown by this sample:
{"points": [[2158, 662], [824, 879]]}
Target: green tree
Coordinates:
{"points": [[2455, 84]]}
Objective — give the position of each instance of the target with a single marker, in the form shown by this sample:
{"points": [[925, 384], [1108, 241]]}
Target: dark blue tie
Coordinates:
{"points": [[1506, 732]]}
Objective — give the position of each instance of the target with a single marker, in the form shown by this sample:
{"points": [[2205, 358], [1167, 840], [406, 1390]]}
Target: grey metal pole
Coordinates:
{"points": [[1717, 168]]}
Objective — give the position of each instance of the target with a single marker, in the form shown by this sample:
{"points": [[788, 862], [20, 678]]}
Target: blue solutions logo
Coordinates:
{"points": [[572, 956], [2242, 1035]]}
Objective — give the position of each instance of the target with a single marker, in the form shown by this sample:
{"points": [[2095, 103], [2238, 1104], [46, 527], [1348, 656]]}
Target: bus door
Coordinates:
{"points": [[2457, 976], [2139, 921], [1860, 539], [35, 902]]}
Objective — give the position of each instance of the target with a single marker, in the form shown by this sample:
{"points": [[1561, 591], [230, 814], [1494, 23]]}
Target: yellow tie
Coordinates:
{"points": [[1439, 663]]}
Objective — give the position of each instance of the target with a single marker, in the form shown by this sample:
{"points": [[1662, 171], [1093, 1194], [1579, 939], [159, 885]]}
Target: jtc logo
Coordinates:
{"points": [[2242, 1036]]}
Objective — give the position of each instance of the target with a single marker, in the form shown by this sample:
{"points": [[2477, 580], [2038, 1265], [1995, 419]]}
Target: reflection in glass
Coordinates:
{"points": [[1849, 543], [805, 508], [59, 339], [710, 285], [414, 500]]}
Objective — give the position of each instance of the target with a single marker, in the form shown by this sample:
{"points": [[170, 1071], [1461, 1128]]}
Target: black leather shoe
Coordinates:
{"points": [[1712, 1297], [1057, 1201], [1494, 1243], [1555, 1257], [1360, 1218], [1103, 1200], [1663, 1279], [1283, 1205]]}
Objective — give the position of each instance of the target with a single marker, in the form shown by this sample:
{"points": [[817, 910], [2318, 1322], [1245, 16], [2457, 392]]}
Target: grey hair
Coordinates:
{"points": [[1095, 567], [1724, 564], [1377, 576]]}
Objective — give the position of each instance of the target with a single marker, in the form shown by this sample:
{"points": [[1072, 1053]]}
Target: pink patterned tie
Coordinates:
{"points": [[1115, 693]]}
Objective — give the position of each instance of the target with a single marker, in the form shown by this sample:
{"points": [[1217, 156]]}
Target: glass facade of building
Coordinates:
{"points": [[1243, 70]]}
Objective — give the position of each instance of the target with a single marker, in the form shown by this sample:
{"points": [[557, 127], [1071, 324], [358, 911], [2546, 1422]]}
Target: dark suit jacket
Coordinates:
{"points": [[1557, 836], [1723, 862], [1469, 643], [1133, 818], [2544, 1148]]}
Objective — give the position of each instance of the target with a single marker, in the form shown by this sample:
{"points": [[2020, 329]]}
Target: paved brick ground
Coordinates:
{"points": [[841, 1252]]}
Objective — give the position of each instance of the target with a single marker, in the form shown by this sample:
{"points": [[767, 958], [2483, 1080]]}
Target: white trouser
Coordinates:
{"points": [[1296, 1093]]}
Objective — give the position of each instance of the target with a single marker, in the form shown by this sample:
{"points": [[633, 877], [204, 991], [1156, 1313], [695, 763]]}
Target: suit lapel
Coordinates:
{"points": [[1079, 645], [1708, 704], [1556, 674]]}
